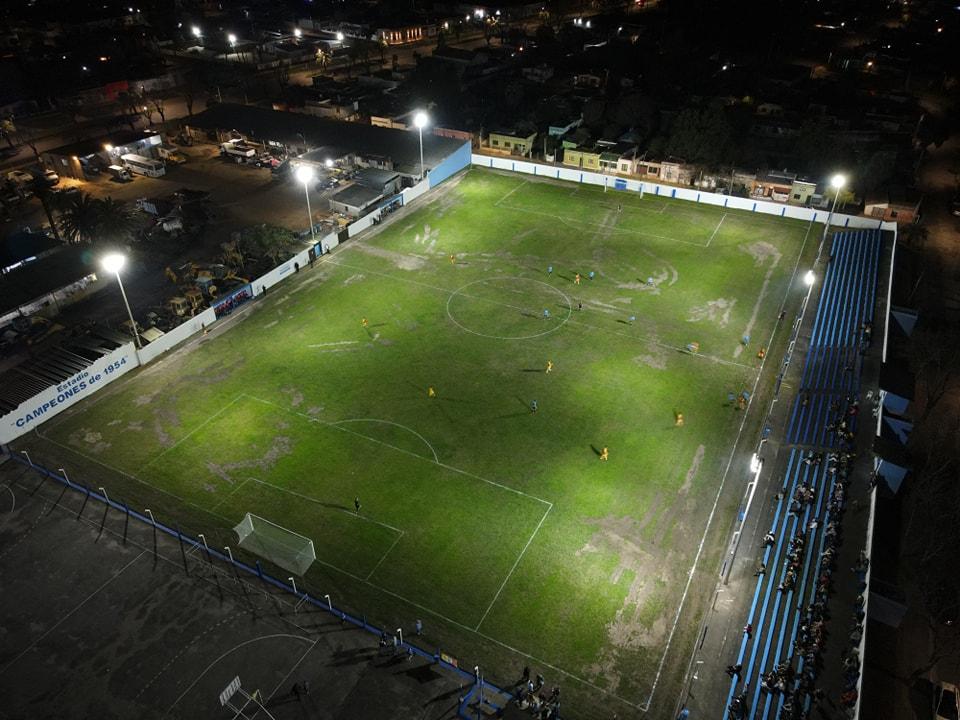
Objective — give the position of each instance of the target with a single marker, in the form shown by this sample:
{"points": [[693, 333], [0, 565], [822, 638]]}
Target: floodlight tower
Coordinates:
{"points": [[421, 120], [305, 175], [114, 263], [836, 182]]}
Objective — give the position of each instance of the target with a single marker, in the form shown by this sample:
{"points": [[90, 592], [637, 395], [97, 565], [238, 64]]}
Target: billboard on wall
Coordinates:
{"points": [[57, 398]]}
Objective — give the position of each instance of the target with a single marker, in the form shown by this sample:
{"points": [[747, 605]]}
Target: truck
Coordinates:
{"points": [[119, 173], [171, 153], [238, 150]]}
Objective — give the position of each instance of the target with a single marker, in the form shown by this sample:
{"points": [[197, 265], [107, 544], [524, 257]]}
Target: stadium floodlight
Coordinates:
{"points": [[114, 263], [328, 163], [420, 120], [297, 33], [836, 182], [232, 39], [809, 278], [340, 37], [197, 32], [305, 175]]}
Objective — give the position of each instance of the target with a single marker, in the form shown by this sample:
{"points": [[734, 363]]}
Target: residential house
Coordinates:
{"points": [[774, 185], [511, 141], [802, 191], [405, 34], [585, 158]]}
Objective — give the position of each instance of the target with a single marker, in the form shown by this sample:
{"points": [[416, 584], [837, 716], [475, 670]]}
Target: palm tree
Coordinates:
{"points": [[86, 220], [114, 220], [79, 220]]}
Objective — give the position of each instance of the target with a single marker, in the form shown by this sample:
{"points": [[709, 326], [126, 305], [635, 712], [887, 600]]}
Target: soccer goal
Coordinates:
{"points": [[284, 548]]}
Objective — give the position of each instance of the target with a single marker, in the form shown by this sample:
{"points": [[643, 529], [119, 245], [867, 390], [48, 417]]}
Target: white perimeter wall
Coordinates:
{"points": [[54, 400], [558, 172]]}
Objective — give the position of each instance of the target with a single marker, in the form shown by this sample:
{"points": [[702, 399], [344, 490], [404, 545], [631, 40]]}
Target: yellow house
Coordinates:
{"points": [[510, 141], [583, 158]]}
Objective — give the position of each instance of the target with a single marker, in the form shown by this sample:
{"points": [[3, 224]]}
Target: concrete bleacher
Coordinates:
{"points": [[828, 392]]}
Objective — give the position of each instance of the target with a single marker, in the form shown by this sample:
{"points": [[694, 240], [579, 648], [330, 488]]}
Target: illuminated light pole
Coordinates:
{"points": [[420, 120], [114, 262], [809, 278], [197, 32], [836, 182], [232, 39], [297, 33], [305, 175]]}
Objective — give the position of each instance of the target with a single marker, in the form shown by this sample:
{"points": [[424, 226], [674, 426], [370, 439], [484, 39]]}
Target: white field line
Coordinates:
{"points": [[723, 480], [577, 221], [314, 500], [640, 338], [336, 425], [133, 477], [230, 494], [412, 603], [13, 499], [390, 422], [285, 677], [236, 647], [202, 425], [383, 557], [716, 229], [706, 529], [64, 618], [332, 344], [509, 193], [515, 563]]}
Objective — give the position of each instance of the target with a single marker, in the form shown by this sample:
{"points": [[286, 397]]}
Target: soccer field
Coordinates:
{"points": [[500, 528]]}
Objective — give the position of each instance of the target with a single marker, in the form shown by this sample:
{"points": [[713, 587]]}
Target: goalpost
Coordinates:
{"points": [[284, 548]]}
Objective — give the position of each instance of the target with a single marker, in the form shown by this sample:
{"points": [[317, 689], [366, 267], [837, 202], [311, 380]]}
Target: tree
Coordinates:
{"points": [[699, 135], [43, 194], [157, 103], [85, 219], [115, 221], [80, 219], [268, 241]]}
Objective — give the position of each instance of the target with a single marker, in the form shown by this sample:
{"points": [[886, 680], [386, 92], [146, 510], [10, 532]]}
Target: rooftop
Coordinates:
{"points": [[401, 146], [85, 148], [356, 195]]}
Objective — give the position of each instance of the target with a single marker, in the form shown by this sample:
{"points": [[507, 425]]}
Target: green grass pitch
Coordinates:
{"points": [[500, 529]]}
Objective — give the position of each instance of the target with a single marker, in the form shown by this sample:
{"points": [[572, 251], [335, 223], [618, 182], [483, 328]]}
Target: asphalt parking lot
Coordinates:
{"points": [[92, 625]]}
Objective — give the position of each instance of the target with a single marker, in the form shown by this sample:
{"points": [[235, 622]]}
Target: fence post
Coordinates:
{"points": [[85, 499], [259, 570], [183, 555], [126, 522]]}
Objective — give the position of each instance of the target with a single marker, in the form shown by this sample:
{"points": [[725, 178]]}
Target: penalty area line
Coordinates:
{"points": [[715, 230], [515, 563]]}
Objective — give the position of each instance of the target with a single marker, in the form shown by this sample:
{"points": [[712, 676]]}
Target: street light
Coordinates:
{"points": [[297, 33], [232, 39], [305, 175], [197, 32], [340, 37], [328, 163], [420, 120], [114, 263], [836, 182]]}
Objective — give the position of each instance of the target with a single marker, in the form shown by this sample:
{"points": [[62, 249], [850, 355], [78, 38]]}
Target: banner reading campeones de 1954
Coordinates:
{"points": [[59, 397]]}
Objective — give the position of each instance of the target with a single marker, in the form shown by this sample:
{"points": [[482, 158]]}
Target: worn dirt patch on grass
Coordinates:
{"points": [[280, 447], [655, 357], [400, 260], [715, 311], [90, 440], [694, 469]]}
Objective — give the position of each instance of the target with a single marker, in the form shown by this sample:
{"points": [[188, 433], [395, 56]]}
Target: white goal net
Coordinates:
{"points": [[284, 548]]}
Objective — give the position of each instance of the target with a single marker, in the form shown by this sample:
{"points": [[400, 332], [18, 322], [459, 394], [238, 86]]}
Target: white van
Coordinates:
{"points": [[144, 166]]}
